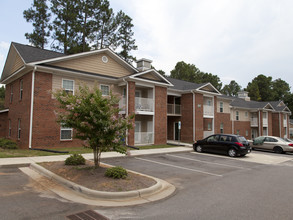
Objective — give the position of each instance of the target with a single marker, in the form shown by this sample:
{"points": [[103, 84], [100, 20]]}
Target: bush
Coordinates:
{"points": [[7, 144], [116, 173], [75, 159]]}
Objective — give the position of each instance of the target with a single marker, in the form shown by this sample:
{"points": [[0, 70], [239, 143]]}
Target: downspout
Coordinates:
{"points": [[126, 107], [32, 108], [232, 120], [193, 115], [259, 128], [280, 125]]}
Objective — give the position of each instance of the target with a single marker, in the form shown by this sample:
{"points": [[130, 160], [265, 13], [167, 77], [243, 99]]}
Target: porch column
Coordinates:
{"points": [[160, 115]]}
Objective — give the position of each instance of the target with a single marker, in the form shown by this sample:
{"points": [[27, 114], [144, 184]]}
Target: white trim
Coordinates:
{"points": [[4, 110], [65, 129], [208, 84], [153, 71], [73, 85], [149, 81], [12, 75], [101, 89], [32, 107]]}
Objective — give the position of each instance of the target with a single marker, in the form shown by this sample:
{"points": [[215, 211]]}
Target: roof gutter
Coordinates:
{"points": [[32, 107], [193, 115]]}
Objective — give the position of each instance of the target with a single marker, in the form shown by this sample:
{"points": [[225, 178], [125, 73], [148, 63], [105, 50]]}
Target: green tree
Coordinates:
{"points": [[125, 36], [38, 14], [281, 89], [263, 84], [64, 24], [190, 73], [95, 119], [2, 97], [231, 89]]}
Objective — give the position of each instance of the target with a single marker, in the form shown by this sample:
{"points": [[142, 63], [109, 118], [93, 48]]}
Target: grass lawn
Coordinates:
{"points": [[6, 153]]}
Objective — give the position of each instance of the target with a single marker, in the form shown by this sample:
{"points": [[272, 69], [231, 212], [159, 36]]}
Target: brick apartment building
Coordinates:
{"points": [[160, 103]]}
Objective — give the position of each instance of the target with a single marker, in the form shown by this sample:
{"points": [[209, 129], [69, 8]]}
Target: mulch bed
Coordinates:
{"points": [[86, 175]]}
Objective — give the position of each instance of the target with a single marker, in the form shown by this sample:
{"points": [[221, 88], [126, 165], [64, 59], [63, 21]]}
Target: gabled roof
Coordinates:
{"points": [[280, 106], [31, 54], [241, 103], [151, 75]]}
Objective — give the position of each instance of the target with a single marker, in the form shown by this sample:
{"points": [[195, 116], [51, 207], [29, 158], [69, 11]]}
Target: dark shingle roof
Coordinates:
{"points": [[32, 54], [183, 85], [239, 102]]}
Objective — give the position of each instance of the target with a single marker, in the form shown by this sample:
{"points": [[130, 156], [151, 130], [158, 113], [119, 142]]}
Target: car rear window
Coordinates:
{"points": [[242, 139]]}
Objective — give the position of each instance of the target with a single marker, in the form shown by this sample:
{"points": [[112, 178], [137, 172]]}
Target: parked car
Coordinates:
{"points": [[276, 144], [233, 145]]}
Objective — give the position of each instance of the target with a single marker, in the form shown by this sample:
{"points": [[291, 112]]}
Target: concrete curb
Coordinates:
{"points": [[100, 194]]}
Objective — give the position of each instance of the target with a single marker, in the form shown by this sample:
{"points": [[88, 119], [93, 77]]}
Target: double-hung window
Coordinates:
{"points": [[105, 89], [65, 133], [9, 128], [20, 89], [237, 115], [19, 129], [221, 107], [11, 93], [68, 86], [222, 128]]}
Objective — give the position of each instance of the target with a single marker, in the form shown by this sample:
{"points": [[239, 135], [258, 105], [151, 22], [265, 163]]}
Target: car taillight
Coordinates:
{"points": [[239, 144], [291, 145]]}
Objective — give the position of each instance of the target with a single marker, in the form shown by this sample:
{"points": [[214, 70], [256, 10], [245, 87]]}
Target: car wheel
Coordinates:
{"points": [[232, 152], [198, 149], [278, 150]]}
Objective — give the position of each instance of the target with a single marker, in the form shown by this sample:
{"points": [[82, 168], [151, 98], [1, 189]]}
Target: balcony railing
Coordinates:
{"points": [[253, 122], [265, 122], [143, 137], [208, 110], [285, 124], [144, 104], [173, 109]]}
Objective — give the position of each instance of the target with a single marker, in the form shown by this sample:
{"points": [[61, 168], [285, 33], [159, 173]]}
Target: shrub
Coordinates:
{"points": [[116, 172], [7, 144], [75, 159]]}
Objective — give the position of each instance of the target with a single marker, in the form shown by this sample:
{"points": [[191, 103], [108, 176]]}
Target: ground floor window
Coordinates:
{"points": [[9, 128], [222, 128], [66, 133], [19, 129]]}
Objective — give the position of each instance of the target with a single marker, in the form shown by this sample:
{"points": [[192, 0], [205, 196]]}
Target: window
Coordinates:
{"points": [[237, 116], [222, 128], [209, 126], [246, 114], [11, 93], [9, 128], [221, 107], [68, 86], [238, 132], [246, 133], [19, 129], [66, 133], [20, 89], [285, 117], [105, 90]]}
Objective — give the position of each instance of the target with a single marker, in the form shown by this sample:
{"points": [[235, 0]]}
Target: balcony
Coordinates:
{"points": [[173, 109], [285, 123], [143, 138], [253, 122], [144, 105], [208, 111]]}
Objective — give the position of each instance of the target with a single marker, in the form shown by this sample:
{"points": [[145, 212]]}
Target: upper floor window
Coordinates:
{"points": [[68, 86], [246, 114], [285, 117], [20, 89], [237, 115], [105, 89], [221, 107], [11, 93]]}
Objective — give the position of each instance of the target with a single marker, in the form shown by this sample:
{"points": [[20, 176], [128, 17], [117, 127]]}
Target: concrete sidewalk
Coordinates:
{"points": [[89, 156]]}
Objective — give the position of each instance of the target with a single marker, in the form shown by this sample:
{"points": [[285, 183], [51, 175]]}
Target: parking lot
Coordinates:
{"points": [[213, 186]]}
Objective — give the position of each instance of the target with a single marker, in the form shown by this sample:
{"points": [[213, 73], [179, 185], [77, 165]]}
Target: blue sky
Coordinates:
{"points": [[234, 39]]}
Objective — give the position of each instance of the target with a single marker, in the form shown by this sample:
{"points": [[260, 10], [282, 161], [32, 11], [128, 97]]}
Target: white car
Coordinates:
{"points": [[276, 144]]}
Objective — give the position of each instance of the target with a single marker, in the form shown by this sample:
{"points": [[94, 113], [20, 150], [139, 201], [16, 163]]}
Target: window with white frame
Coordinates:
{"points": [[221, 107], [246, 114], [209, 126], [11, 93], [68, 86], [238, 132], [237, 115], [19, 129], [222, 128], [65, 133], [20, 89], [9, 128], [105, 89]]}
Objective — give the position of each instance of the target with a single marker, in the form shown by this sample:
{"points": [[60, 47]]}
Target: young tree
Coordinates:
{"points": [[63, 25], [125, 36], [95, 120], [38, 14]]}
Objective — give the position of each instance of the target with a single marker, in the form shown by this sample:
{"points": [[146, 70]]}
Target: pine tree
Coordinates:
{"points": [[125, 36], [38, 14]]}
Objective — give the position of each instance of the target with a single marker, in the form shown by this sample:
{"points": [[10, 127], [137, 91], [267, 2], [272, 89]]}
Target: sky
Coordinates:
{"points": [[233, 39]]}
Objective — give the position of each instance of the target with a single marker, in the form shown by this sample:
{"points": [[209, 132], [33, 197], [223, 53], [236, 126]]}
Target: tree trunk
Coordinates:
{"points": [[97, 156]]}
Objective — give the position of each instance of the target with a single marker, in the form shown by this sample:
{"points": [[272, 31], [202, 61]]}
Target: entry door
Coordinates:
{"points": [[176, 131]]}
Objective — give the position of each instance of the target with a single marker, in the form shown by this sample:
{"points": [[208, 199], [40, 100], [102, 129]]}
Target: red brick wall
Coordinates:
{"points": [[198, 116], [270, 123], [4, 124], [225, 119], [242, 126], [160, 115], [170, 127], [186, 118], [131, 110], [276, 124], [19, 109], [46, 131]]}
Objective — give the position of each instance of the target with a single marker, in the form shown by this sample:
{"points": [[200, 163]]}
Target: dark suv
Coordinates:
{"points": [[233, 145]]}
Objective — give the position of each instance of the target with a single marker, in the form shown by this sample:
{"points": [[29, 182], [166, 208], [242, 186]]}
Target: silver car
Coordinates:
{"points": [[276, 144]]}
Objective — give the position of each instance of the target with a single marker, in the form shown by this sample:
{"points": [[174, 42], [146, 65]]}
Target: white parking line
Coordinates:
{"points": [[202, 161], [183, 168]]}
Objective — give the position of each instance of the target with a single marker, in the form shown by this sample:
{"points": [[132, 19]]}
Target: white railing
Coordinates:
{"points": [[143, 137], [265, 122], [208, 110], [285, 124], [173, 109], [144, 104], [253, 122]]}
